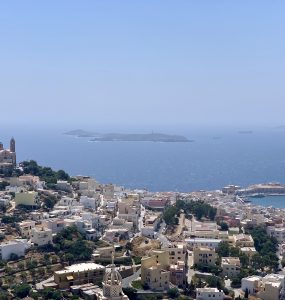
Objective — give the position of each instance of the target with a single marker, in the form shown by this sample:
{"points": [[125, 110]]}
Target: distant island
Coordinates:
{"points": [[129, 137]]}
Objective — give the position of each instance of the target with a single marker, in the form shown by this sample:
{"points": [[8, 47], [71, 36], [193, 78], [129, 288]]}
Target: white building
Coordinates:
{"points": [[200, 242], [26, 227], [87, 202], [277, 232], [64, 185], [251, 284], [17, 247], [41, 236], [56, 225], [209, 293]]}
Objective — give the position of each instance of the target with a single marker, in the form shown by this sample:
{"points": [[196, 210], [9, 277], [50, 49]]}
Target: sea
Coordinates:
{"points": [[216, 157], [274, 201]]}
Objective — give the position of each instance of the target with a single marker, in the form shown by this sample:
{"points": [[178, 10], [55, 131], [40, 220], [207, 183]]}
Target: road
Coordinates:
{"points": [[127, 281], [39, 286]]}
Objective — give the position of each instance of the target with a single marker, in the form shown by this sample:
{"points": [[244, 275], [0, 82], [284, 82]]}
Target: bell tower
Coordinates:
{"points": [[12, 145]]}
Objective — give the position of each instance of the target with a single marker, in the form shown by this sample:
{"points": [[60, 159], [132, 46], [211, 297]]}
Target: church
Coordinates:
{"points": [[8, 157]]}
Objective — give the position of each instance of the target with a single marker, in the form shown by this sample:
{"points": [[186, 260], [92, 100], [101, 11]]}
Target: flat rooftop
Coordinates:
{"points": [[81, 268]]}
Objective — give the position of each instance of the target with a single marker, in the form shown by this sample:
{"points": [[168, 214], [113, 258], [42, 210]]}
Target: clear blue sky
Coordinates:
{"points": [[142, 63]]}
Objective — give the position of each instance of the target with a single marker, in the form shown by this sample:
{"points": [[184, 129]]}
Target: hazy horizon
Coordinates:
{"points": [[153, 65]]}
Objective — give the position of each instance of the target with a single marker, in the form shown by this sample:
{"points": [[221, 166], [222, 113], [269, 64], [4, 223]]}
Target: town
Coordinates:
{"points": [[71, 237]]}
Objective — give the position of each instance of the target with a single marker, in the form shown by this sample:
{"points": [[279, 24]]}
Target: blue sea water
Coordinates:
{"points": [[275, 201], [207, 163]]}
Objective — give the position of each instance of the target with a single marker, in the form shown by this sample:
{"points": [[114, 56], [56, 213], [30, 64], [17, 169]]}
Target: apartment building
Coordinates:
{"points": [[230, 266], [177, 252], [243, 240], [209, 293], [154, 271], [26, 227], [17, 247], [277, 232], [26, 198], [200, 242], [204, 255], [79, 274], [41, 236]]}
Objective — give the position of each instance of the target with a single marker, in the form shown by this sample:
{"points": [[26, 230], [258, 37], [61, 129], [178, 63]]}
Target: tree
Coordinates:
{"points": [[3, 185], [173, 293], [49, 294], [22, 290], [130, 292], [223, 249], [224, 226]]}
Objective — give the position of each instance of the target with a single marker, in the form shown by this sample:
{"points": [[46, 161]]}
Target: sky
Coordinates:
{"points": [[132, 64]]}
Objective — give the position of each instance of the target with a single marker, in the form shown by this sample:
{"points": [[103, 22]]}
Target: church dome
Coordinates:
{"points": [[112, 276]]}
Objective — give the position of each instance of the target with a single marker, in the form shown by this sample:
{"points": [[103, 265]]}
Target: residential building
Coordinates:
{"points": [[26, 227], [79, 274], [271, 286], [89, 203], [64, 185], [277, 232], [178, 273], [26, 198], [230, 266], [17, 247], [251, 284], [41, 236], [177, 252], [266, 288], [154, 271], [200, 242], [209, 293], [249, 251], [56, 225], [204, 255], [243, 240]]}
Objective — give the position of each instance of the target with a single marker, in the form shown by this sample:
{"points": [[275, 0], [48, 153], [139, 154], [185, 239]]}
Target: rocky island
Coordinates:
{"points": [[131, 137]]}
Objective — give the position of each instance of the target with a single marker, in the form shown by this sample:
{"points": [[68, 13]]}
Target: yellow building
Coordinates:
{"points": [[26, 198], [154, 271], [177, 252], [230, 266], [79, 274], [243, 240], [204, 255]]}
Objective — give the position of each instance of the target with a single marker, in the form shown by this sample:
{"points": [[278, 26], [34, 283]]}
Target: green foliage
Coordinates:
{"points": [[10, 219], [223, 249], [137, 284], [72, 244], [266, 247], [224, 226], [173, 293], [45, 173], [31, 264], [3, 185], [198, 208], [49, 201], [49, 294], [130, 292], [169, 215], [21, 290], [137, 260]]}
